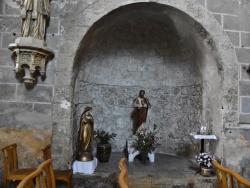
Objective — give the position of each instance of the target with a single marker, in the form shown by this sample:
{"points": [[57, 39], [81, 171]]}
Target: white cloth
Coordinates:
{"points": [[87, 167], [203, 136]]}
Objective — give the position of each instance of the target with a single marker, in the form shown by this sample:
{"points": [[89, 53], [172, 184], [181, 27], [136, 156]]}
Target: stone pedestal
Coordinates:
{"points": [[87, 167], [31, 56]]}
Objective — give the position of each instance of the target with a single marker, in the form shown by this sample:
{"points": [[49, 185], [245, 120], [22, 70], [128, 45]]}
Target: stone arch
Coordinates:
{"points": [[77, 25]]}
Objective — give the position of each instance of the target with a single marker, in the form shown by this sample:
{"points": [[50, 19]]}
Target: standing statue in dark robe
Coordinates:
{"points": [[85, 136], [141, 104]]}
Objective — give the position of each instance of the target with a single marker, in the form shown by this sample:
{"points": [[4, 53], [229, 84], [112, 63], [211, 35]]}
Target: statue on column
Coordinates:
{"points": [[27, 7], [85, 136], [141, 104], [30, 49], [42, 16], [34, 14]]}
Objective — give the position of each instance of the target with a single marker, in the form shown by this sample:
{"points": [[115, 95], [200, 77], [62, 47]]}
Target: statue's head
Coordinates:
{"points": [[87, 109], [141, 93]]}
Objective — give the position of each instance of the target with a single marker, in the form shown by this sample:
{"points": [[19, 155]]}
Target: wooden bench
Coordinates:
{"points": [[228, 178], [60, 175], [123, 176], [43, 177], [11, 172]]}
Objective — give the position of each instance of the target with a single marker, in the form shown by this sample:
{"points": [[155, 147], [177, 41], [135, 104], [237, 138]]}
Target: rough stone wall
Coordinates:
{"points": [[236, 150], [25, 112], [71, 48], [142, 54], [233, 17], [30, 109]]}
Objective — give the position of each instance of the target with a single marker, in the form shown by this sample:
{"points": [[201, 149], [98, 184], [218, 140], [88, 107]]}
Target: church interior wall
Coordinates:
{"points": [[26, 113]]}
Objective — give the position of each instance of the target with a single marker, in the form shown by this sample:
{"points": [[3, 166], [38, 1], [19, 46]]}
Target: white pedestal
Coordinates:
{"points": [[132, 152], [87, 167]]}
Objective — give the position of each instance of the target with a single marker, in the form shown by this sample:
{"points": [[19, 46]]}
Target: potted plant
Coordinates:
{"points": [[146, 142], [104, 147], [205, 161]]}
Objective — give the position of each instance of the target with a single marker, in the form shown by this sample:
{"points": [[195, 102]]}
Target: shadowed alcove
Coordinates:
{"points": [[161, 50]]}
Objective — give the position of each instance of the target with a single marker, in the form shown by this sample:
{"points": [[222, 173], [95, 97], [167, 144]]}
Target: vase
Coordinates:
{"points": [[103, 151], [144, 157], [206, 171]]}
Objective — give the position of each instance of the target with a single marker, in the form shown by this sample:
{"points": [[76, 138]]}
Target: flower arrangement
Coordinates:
{"points": [[204, 159], [103, 135], [146, 141]]}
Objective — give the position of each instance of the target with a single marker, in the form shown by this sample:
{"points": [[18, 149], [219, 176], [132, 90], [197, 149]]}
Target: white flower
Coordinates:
{"points": [[204, 159]]}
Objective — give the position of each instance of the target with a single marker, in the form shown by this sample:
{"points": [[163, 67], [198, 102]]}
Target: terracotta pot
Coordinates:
{"points": [[103, 151], [206, 171]]}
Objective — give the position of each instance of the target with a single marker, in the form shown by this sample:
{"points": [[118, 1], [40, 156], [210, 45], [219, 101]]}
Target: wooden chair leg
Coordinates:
{"points": [[4, 183], [12, 184], [69, 184]]}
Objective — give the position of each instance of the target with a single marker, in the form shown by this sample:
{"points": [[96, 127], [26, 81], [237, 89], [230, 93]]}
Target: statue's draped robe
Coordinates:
{"points": [[26, 15], [85, 133], [34, 14], [142, 105]]}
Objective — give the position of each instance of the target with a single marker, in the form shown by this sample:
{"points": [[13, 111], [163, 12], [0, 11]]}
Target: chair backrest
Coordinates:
{"points": [[229, 178], [10, 161], [46, 152], [43, 177], [123, 176]]}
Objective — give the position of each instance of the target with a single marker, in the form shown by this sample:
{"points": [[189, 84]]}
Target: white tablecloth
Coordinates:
{"points": [[203, 136], [87, 167]]}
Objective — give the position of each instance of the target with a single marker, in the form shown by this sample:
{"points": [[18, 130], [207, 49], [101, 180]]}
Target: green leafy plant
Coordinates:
{"points": [[103, 135]]}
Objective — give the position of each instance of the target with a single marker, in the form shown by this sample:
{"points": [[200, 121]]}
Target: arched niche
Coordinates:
{"points": [[196, 72]]}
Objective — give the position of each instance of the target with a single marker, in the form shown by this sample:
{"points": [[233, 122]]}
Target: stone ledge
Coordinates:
{"points": [[167, 171], [239, 126]]}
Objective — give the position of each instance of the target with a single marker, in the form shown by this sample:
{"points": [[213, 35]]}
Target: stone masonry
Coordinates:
{"points": [[142, 54], [190, 56]]}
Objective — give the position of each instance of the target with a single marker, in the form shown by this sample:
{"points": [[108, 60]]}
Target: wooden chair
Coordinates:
{"points": [[123, 176], [229, 178], [43, 177], [11, 172], [60, 175]]}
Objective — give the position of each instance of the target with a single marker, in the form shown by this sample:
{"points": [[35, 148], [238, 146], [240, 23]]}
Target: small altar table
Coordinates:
{"points": [[87, 167], [202, 137]]}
